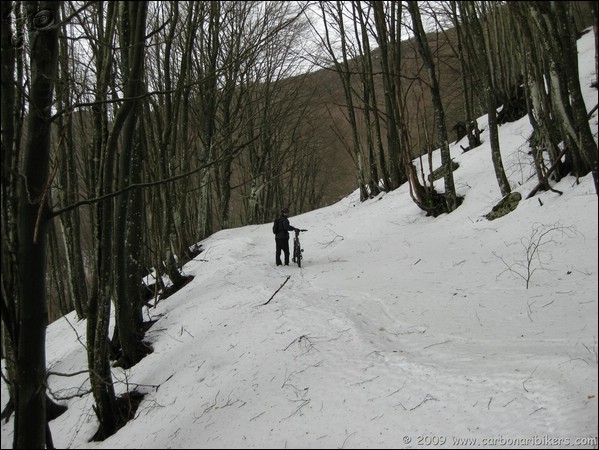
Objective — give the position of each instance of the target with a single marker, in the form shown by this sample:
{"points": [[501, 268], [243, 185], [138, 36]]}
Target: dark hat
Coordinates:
{"points": [[285, 210]]}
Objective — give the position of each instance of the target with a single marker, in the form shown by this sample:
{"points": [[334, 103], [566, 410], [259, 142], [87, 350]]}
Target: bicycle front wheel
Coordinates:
{"points": [[297, 254]]}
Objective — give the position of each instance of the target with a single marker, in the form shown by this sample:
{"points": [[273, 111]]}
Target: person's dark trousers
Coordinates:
{"points": [[282, 245]]}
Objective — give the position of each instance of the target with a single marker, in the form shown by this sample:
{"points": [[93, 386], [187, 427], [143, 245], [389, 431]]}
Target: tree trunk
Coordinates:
{"points": [[594, 12], [128, 279], [472, 131], [587, 147], [30, 400], [11, 112], [451, 199], [554, 22], [371, 125], [344, 72], [478, 46], [68, 179], [98, 314], [502, 181], [390, 64]]}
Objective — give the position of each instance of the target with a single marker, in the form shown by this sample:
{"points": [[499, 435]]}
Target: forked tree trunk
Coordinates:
{"points": [[451, 200]]}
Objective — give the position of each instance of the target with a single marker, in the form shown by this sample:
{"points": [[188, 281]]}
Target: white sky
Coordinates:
{"points": [[399, 331]]}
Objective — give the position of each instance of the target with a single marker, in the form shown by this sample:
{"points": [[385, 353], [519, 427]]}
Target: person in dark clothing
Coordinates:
{"points": [[283, 228]]}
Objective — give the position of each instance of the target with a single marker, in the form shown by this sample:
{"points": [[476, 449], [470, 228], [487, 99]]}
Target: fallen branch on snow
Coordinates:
{"points": [[280, 287]]}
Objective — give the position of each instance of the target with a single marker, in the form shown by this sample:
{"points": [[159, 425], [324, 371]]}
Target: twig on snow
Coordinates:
{"points": [[426, 399], [280, 287]]}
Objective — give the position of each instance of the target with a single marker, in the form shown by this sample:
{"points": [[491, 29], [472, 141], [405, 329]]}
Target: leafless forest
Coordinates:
{"points": [[133, 130]]}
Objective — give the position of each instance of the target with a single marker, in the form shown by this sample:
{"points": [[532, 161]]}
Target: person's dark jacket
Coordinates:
{"points": [[284, 228]]}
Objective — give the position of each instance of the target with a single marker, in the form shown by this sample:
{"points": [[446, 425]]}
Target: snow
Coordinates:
{"points": [[399, 330]]}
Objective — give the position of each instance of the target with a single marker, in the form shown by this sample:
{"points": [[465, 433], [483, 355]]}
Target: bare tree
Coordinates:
{"points": [[477, 43], [12, 107], [470, 124], [371, 117], [279, 163], [128, 224], [451, 199], [334, 22], [556, 23], [42, 19], [67, 188]]}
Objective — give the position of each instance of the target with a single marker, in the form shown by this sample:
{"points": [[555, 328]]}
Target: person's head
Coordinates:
{"points": [[285, 211]]}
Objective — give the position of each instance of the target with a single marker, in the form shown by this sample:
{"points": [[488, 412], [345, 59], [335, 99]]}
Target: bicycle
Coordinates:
{"points": [[297, 249]]}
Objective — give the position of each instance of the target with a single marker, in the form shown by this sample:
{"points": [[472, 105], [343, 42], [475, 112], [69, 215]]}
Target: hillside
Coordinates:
{"points": [[329, 120], [399, 331], [329, 123]]}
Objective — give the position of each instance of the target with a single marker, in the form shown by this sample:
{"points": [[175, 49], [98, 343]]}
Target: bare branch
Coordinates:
{"points": [[273, 295]]}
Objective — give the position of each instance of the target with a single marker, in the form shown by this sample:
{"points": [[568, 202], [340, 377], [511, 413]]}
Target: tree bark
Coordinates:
{"points": [[127, 224], [11, 112], [30, 401], [98, 314]]}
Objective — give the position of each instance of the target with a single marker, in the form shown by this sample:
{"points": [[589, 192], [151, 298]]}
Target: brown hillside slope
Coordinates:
{"points": [[332, 128]]}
